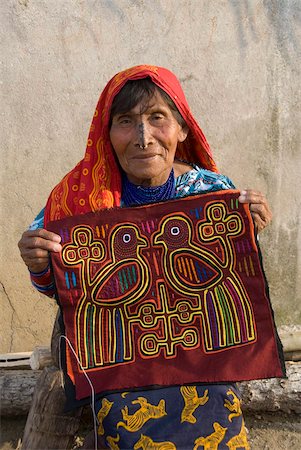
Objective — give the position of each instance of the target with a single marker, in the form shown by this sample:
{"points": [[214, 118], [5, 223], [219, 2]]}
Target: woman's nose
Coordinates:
{"points": [[143, 135]]}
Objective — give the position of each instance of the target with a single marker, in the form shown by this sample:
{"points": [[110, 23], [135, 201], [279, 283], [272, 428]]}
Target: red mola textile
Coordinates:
{"points": [[165, 294]]}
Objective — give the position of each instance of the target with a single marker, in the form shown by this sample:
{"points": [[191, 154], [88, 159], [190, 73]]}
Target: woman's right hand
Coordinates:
{"points": [[35, 247]]}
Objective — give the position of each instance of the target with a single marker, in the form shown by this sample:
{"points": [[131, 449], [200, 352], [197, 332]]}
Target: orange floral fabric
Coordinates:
{"points": [[95, 182]]}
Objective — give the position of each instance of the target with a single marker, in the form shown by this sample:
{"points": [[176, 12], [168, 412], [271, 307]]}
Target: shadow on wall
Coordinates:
{"points": [[283, 16]]}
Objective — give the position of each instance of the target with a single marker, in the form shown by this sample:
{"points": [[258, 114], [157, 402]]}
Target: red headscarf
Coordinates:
{"points": [[95, 182]]}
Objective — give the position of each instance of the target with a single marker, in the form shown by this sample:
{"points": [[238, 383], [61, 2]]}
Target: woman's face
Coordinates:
{"points": [[155, 129]]}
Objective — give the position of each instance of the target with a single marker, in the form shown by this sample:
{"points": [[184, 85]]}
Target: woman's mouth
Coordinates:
{"points": [[146, 156]]}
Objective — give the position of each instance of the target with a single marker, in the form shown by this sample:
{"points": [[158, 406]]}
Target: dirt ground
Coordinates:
{"points": [[267, 431]]}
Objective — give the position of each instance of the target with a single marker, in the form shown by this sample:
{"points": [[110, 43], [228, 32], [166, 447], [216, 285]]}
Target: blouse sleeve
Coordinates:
{"points": [[200, 180], [42, 281]]}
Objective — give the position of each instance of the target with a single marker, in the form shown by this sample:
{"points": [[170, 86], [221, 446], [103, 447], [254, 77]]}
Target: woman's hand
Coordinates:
{"points": [[35, 247], [259, 208]]}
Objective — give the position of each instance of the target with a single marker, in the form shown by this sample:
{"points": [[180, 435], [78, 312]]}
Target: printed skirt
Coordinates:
{"points": [[181, 417]]}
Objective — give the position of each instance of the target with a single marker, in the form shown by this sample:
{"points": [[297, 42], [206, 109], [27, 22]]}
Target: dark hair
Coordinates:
{"points": [[135, 91]]}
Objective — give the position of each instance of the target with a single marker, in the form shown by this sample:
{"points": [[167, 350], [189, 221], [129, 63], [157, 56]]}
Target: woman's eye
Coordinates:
{"points": [[157, 117], [158, 120], [125, 121]]}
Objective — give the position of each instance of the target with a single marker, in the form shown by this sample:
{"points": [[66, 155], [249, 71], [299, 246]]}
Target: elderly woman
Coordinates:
{"points": [[145, 146]]}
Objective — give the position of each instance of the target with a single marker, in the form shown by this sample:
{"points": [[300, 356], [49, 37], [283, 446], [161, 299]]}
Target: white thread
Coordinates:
{"points": [[92, 403]]}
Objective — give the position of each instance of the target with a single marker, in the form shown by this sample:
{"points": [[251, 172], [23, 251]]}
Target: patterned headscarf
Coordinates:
{"points": [[95, 182]]}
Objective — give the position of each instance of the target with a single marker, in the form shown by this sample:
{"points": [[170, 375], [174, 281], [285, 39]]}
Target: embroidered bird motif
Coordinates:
{"points": [[133, 422], [146, 443], [189, 268], [106, 406], [127, 276], [194, 271], [123, 280], [235, 407], [212, 441], [192, 402]]}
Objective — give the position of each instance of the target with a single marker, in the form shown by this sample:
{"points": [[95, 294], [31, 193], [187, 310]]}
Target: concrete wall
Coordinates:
{"points": [[238, 61]]}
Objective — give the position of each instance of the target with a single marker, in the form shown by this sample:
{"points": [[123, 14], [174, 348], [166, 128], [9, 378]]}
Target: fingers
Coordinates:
{"points": [[35, 246], [259, 208], [251, 196], [259, 224]]}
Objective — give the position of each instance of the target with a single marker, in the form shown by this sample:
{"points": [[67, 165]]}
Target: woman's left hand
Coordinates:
{"points": [[259, 208]]}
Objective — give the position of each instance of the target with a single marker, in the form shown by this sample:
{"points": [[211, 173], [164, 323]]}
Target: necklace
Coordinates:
{"points": [[133, 194]]}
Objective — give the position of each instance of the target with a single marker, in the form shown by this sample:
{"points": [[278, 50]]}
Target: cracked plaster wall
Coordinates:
{"points": [[238, 61]]}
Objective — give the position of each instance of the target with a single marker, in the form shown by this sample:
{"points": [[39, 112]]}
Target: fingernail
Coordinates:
{"points": [[243, 193], [57, 238], [57, 247]]}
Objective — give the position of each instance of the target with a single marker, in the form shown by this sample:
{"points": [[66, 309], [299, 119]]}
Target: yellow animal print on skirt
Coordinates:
{"points": [[113, 442], [146, 443], [133, 422], [106, 405], [192, 402], [234, 407], [211, 442], [240, 440]]}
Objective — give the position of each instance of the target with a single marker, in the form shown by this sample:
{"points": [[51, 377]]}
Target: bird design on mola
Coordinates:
{"points": [[124, 279], [196, 272], [127, 276], [189, 267]]}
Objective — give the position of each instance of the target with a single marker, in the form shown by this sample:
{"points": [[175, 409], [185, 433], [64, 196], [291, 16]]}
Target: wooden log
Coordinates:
{"points": [[292, 356], [17, 387], [47, 426], [16, 391], [55, 340], [290, 338], [15, 360], [41, 357], [274, 394], [44, 356]]}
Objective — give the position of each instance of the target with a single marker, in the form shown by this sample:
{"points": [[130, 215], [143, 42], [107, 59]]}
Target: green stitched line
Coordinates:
{"points": [[129, 276], [125, 280], [226, 315], [134, 273], [120, 281]]}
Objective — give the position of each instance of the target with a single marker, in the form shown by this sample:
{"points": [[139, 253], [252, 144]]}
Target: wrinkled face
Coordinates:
{"points": [[145, 141]]}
